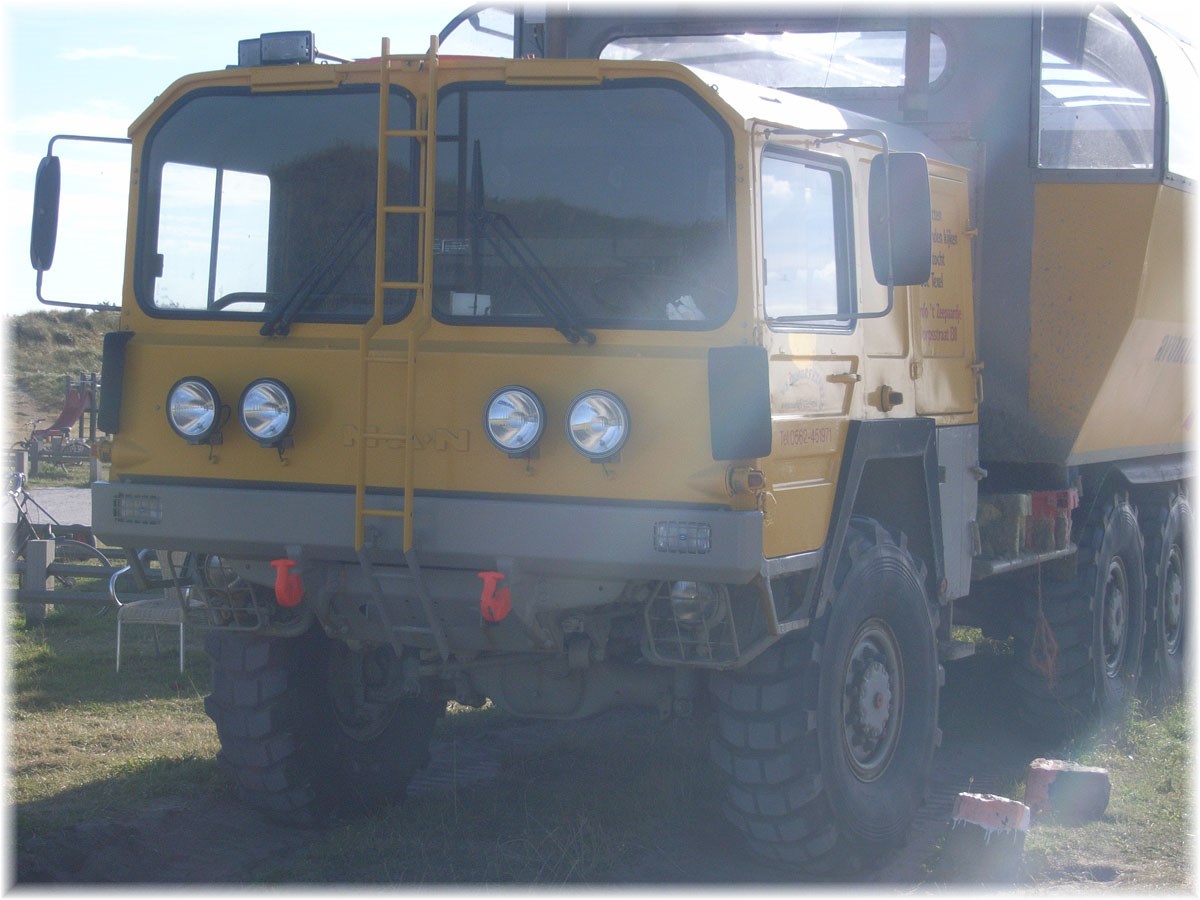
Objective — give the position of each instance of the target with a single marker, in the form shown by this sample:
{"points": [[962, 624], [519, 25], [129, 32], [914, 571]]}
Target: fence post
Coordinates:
{"points": [[38, 556], [93, 405]]}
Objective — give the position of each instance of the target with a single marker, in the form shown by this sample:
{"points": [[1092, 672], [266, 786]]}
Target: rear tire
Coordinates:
{"points": [[293, 745], [1168, 532], [827, 738], [1092, 665]]}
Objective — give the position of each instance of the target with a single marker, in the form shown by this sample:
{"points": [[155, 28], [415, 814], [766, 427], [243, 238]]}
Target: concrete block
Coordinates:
{"points": [[986, 842], [1067, 790]]}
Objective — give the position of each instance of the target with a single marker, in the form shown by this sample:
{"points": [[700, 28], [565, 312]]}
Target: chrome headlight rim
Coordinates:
{"points": [[533, 405], [205, 425], [270, 434], [602, 402]]}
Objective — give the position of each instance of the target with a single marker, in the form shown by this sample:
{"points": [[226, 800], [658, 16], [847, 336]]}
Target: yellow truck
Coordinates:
{"points": [[603, 357]]}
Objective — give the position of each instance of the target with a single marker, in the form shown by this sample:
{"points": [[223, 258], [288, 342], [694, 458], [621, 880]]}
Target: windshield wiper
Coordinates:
{"points": [[322, 275], [502, 236]]}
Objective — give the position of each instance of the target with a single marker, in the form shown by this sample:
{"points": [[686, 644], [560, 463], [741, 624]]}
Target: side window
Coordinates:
{"points": [[214, 243], [1096, 100], [806, 266]]}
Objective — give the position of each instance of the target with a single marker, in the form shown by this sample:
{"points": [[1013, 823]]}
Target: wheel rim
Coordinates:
{"points": [[1115, 622], [1173, 602], [872, 700], [360, 718]]}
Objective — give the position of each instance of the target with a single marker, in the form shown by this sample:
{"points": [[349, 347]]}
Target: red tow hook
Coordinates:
{"points": [[289, 589], [494, 601]]}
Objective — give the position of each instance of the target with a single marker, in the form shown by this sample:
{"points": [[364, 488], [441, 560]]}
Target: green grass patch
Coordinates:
{"points": [[1143, 838], [621, 798], [85, 740]]}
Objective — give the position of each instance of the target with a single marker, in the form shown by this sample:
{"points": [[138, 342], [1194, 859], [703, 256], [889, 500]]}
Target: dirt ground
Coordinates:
{"points": [[217, 840]]}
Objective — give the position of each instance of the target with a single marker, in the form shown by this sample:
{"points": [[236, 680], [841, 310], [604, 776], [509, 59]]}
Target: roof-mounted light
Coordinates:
{"points": [[278, 48]]}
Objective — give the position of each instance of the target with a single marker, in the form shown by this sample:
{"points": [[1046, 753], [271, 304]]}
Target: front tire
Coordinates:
{"points": [[293, 737], [827, 738]]}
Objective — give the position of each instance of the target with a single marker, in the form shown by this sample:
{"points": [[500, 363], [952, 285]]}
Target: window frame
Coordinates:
{"points": [[806, 26], [615, 323], [1152, 174], [844, 242], [146, 232]]}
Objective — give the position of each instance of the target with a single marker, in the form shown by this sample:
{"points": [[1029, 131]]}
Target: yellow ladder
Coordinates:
{"points": [[419, 319]]}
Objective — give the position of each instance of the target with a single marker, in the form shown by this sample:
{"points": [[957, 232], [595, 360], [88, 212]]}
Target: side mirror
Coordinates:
{"points": [[44, 230], [899, 210]]}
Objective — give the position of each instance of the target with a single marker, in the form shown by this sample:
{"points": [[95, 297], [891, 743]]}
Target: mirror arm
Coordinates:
{"points": [[38, 267], [69, 304]]}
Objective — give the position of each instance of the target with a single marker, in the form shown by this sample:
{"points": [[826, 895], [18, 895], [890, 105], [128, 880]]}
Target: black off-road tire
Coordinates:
{"points": [[1083, 661], [827, 738], [284, 742], [1167, 528]]}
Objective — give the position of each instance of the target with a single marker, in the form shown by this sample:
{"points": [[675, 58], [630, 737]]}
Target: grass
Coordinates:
{"points": [[1148, 817], [45, 347], [49, 476], [86, 741], [617, 799]]}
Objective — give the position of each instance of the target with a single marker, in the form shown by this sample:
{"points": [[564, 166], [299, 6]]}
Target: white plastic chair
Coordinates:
{"points": [[169, 609]]}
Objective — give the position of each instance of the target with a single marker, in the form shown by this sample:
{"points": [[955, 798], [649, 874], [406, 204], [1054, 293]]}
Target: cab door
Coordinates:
{"points": [[944, 366]]}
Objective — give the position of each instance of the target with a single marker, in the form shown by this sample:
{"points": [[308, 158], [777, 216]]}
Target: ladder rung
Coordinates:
{"points": [[385, 513], [407, 210], [403, 285], [418, 133]]}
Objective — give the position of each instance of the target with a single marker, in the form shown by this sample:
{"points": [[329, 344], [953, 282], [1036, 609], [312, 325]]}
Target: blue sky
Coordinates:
{"points": [[92, 68]]}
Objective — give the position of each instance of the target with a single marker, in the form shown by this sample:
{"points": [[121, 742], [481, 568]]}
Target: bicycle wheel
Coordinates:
{"points": [[77, 553], [74, 453]]}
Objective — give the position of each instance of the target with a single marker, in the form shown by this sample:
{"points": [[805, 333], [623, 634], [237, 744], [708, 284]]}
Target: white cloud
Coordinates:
{"points": [[109, 53]]}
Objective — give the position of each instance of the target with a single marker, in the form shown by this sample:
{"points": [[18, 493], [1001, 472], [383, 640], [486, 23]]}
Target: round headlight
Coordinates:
{"points": [[193, 407], [267, 411], [598, 424], [514, 419]]}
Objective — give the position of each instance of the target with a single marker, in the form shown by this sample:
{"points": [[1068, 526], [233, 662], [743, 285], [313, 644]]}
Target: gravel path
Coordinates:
{"points": [[69, 505]]}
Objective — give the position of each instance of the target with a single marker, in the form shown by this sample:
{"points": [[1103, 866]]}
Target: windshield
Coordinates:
{"points": [[572, 207], [255, 203]]}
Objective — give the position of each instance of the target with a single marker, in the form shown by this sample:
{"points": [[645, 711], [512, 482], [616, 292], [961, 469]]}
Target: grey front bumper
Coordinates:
{"points": [[572, 539]]}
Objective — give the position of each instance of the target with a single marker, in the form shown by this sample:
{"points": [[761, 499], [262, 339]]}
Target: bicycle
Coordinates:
{"points": [[53, 445], [28, 442], [74, 545]]}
